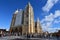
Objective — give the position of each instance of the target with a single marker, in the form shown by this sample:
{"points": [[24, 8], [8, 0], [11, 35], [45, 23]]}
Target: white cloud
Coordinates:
{"points": [[49, 17], [57, 21], [49, 5], [53, 29], [49, 20], [57, 13]]}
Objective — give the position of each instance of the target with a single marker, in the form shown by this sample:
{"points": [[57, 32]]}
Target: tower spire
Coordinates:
{"points": [[38, 20], [29, 4]]}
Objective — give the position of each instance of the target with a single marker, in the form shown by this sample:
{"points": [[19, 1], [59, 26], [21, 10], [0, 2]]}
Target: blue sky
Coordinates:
{"points": [[48, 12]]}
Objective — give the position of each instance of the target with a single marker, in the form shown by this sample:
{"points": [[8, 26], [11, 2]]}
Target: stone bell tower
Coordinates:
{"points": [[38, 28], [29, 19]]}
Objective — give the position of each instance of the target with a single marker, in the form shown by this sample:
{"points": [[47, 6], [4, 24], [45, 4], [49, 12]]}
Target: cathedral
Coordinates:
{"points": [[23, 22]]}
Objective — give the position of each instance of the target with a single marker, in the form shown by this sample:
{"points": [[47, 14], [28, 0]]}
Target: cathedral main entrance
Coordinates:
{"points": [[16, 30]]}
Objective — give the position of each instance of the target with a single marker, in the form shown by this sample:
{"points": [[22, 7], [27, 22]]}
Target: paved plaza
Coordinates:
{"points": [[25, 38]]}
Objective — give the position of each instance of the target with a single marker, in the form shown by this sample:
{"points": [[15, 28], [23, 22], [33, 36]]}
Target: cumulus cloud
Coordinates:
{"points": [[57, 21], [49, 5], [57, 13], [49, 20], [53, 29]]}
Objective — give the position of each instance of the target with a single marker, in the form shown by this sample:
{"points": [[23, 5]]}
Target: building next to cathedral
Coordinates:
{"points": [[23, 22]]}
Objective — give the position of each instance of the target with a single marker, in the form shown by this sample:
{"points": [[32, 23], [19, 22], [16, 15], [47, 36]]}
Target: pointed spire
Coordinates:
{"points": [[38, 20], [16, 11], [29, 4]]}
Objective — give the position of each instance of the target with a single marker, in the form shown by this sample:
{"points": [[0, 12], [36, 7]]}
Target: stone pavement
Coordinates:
{"points": [[24, 38]]}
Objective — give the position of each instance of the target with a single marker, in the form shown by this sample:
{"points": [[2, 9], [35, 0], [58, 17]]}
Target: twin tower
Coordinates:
{"points": [[23, 22]]}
